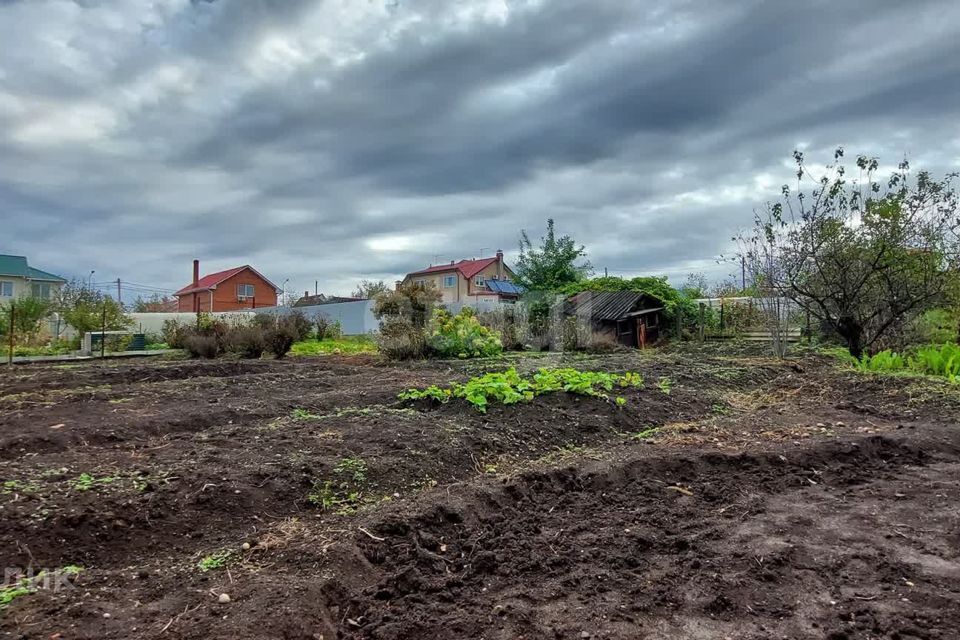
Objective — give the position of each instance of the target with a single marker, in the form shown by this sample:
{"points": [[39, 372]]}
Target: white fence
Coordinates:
{"points": [[355, 318]]}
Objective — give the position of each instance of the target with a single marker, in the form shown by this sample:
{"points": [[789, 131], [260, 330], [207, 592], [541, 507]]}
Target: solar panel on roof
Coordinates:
{"points": [[503, 286]]}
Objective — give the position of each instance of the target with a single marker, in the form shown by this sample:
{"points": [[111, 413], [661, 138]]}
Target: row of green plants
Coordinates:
{"points": [[510, 387], [941, 360]]}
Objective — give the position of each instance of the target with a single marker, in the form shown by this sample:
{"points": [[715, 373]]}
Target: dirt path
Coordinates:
{"points": [[752, 499]]}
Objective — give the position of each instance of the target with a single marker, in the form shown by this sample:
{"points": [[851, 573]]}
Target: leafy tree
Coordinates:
{"points": [[695, 286], [29, 312], [552, 265], [152, 304], [370, 289], [404, 315], [411, 302], [83, 309], [861, 256], [729, 288]]}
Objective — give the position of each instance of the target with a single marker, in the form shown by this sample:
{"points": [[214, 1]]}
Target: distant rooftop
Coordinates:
{"points": [[17, 266]]}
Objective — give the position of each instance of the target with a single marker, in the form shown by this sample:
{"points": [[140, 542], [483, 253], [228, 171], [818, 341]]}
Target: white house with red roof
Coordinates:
{"points": [[230, 290], [469, 280]]}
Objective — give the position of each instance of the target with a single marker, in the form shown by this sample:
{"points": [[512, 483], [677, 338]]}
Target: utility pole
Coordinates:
{"points": [[103, 331], [316, 287], [119, 299], [743, 274]]}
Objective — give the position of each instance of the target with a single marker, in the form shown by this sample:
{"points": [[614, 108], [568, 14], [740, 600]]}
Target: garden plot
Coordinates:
{"points": [[725, 496]]}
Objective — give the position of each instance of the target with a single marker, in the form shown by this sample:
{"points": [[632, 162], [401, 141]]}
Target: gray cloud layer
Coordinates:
{"points": [[339, 139]]}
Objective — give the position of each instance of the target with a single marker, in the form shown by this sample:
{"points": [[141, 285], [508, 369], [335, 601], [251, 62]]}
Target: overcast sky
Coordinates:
{"points": [[345, 139]]}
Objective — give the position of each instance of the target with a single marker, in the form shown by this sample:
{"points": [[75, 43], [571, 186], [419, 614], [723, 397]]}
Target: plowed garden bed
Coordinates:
{"points": [[733, 496]]}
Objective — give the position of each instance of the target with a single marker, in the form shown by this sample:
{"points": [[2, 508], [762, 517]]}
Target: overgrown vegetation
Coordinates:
{"points": [[348, 345], [932, 360], [461, 336], [509, 387]]}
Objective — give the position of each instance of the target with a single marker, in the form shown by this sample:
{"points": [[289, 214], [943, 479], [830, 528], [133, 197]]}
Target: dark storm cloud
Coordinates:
{"points": [[339, 140]]}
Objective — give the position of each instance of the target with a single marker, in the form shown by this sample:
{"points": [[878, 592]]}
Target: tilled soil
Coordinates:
{"points": [[742, 498]]}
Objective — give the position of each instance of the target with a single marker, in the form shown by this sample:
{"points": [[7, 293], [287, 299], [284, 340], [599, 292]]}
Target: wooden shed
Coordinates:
{"points": [[632, 318]]}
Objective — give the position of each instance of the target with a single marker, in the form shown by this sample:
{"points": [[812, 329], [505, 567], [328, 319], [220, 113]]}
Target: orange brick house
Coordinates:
{"points": [[231, 290]]}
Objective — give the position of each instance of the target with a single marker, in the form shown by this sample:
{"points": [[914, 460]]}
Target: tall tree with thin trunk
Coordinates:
{"points": [[555, 263]]}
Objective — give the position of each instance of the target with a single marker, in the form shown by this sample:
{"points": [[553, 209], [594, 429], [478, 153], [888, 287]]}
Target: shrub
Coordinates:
{"points": [[462, 336], [299, 323], [280, 339], [202, 346], [248, 341], [510, 323], [326, 328], [175, 333], [400, 340]]}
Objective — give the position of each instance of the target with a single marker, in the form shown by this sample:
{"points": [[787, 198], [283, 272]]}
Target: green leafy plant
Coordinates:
{"points": [[509, 387], [303, 414], [940, 360], [216, 560], [462, 336], [86, 482], [665, 385], [646, 434], [10, 593]]}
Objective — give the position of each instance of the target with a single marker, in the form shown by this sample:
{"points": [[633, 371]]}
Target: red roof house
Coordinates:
{"points": [[468, 280], [231, 290]]}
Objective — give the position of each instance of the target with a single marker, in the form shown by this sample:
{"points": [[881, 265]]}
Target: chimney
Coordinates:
{"points": [[306, 294], [499, 264], [396, 284], [196, 281]]}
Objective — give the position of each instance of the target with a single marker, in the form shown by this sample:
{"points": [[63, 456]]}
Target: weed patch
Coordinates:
{"points": [[216, 560], [86, 482], [303, 414], [344, 494]]}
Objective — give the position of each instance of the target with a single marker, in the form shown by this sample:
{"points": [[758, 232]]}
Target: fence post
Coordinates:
{"points": [[703, 323], [12, 318], [103, 332]]}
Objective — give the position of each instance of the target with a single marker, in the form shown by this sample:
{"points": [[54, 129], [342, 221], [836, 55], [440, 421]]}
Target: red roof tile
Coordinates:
{"points": [[468, 268], [211, 280]]}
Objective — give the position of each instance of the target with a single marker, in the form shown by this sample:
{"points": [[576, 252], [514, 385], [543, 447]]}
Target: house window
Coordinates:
{"points": [[420, 283], [449, 281], [40, 290], [244, 291], [480, 282], [6, 289]]}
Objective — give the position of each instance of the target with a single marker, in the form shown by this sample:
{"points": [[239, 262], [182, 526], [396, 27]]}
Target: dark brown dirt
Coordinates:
{"points": [[756, 499]]}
